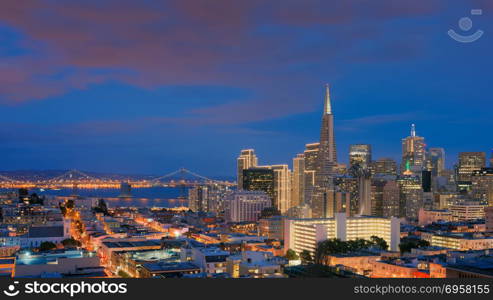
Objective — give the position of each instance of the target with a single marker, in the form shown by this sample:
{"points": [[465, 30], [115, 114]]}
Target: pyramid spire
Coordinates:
{"points": [[413, 130], [328, 105]]}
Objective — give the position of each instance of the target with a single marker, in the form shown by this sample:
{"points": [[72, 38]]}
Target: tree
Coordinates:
{"points": [[123, 274], [23, 194], [70, 204], [379, 242], [46, 246], [306, 257], [63, 209], [291, 255], [101, 207], [336, 246], [71, 243], [409, 243]]}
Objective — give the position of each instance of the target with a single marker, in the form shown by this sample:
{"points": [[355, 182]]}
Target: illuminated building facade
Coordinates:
{"points": [[304, 234], [467, 212], [326, 160], [426, 217], [377, 186], [360, 154], [436, 158], [246, 160], [482, 186], [384, 166], [413, 153], [260, 179], [246, 206], [411, 198], [298, 182], [470, 162], [282, 187], [391, 199], [350, 186], [198, 198], [311, 158], [459, 241]]}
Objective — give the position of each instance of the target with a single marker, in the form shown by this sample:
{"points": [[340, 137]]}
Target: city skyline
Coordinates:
{"points": [[112, 109]]}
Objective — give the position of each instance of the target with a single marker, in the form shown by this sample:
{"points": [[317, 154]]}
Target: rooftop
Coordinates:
{"points": [[45, 231], [29, 258], [161, 267], [132, 244]]}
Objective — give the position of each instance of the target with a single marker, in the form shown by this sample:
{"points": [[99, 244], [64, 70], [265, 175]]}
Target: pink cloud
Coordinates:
{"points": [[154, 43]]}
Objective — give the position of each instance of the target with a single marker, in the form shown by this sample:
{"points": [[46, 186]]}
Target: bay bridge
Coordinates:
{"points": [[181, 178]]}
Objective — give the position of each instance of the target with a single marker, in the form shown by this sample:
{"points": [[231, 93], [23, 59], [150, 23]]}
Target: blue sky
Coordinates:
{"points": [[151, 86]]}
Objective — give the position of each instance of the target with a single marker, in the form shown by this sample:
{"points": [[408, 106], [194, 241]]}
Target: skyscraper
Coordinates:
{"points": [[298, 185], [413, 153], [311, 158], [384, 166], [391, 199], [246, 160], [274, 180], [482, 186], [245, 206], [411, 198], [436, 156], [327, 155], [360, 154], [326, 160], [282, 187], [259, 179], [197, 198], [377, 190], [469, 162]]}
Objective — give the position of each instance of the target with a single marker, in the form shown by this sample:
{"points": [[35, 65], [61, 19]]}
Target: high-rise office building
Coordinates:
{"points": [[349, 185], [198, 199], [327, 154], [282, 187], [482, 186], [411, 198], [259, 179], [208, 198], [426, 181], [384, 166], [246, 160], [326, 160], [245, 206], [436, 158], [311, 158], [413, 153], [391, 199], [274, 180], [298, 182], [360, 154], [377, 188], [364, 193], [469, 162]]}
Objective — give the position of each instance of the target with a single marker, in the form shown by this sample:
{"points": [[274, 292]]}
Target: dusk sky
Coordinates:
{"points": [[147, 87]]}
